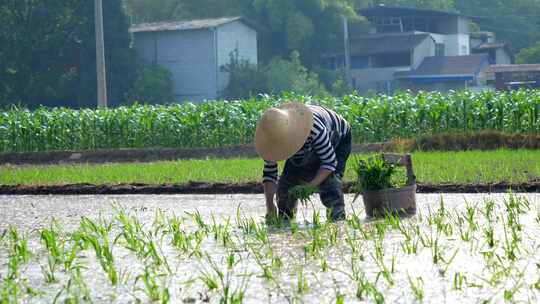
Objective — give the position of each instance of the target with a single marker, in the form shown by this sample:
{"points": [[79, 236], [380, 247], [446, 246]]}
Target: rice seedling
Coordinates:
{"points": [[181, 239], [417, 286], [410, 244], [50, 238], [366, 289], [154, 289], [490, 236], [302, 193], [489, 209], [459, 281], [217, 279], [76, 289], [152, 251], [131, 231], [12, 288], [197, 217], [470, 216], [97, 236], [18, 251], [266, 269], [222, 232], [302, 283]]}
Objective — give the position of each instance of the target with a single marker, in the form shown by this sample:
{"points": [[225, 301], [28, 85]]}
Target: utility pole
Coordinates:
{"points": [[100, 56], [347, 49]]}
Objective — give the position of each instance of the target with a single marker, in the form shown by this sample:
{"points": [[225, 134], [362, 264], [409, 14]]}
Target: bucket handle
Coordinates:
{"points": [[402, 160]]}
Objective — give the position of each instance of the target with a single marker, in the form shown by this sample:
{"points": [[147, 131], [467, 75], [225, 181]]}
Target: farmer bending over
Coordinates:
{"points": [[316, 143]]}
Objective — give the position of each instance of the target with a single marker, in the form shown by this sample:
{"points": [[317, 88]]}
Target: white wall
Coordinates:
{"points": [[231, 37], [190, 57], [421, 51], [369, 79], [454, 45], [502, 57], [457, 45]]}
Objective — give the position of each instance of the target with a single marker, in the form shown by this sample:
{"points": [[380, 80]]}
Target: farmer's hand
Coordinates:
{"points": [[321, 176], [270, 190]]}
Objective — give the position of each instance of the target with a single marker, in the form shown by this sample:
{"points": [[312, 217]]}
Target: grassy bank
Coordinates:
{"points": [[430, 167]]}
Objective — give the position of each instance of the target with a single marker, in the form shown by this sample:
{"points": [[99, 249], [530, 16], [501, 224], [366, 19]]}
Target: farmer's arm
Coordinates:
{"points": [[327, 155], [270, 175], [321, 176]]}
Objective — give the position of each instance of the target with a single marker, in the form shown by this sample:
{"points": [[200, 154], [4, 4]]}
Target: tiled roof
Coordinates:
{"points": [[448, 66], [490, 45], [389, 43], [182, 25], [502, 68], [400, 11]]}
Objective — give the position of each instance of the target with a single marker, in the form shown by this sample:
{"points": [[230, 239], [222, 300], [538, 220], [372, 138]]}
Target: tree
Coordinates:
{"points": [[291, 76], [529, 55], [36, 42], [445, 5], [245, 79], [310, 26], [47, 52], [513, 21], [153, 84]]}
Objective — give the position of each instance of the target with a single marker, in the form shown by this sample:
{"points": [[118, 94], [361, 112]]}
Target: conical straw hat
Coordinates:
{"points": [[282, 131]]}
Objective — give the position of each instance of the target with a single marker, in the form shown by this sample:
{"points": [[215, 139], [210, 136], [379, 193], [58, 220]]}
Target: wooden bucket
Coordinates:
{"points": [[394, 200]]}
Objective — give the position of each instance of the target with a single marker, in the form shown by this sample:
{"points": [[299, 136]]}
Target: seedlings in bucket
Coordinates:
{"points": [[375, 174]]}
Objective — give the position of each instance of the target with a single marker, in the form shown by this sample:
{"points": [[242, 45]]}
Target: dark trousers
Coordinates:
{"points": [[330, 191]]}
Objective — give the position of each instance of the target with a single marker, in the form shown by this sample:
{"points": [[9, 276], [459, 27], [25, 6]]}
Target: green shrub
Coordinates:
{"points": [[153, 85], [245, 79], [291, 76]]}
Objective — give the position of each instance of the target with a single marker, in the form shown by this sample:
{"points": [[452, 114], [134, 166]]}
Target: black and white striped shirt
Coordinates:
{"points": [[326, 125]]}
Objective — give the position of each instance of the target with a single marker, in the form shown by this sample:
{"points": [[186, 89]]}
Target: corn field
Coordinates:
{"points": [[221, 123]]}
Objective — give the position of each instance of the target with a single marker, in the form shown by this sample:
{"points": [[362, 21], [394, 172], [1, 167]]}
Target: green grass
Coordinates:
{"points": [[430, 167]]}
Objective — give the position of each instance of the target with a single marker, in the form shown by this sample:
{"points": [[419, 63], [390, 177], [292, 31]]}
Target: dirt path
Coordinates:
{"points": [[244, 188], [148, 155]]}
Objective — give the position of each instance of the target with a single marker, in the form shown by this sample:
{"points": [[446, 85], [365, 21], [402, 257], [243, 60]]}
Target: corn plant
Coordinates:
{"points": [[373, 119]]}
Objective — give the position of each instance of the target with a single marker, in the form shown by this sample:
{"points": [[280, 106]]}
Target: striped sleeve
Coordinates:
{"points": [[323, 146], [270, 172]]}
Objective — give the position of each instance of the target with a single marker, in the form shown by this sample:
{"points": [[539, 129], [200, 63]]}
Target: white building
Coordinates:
{"points": [[403, 41], [195, 52]]}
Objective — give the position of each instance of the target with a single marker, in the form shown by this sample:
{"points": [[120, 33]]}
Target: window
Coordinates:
{"points": [[388, 24], [359, 62], [440, 49], [391, 60]]}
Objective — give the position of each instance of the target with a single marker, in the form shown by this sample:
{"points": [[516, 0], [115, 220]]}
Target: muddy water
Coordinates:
{"points": [[326, 275]]}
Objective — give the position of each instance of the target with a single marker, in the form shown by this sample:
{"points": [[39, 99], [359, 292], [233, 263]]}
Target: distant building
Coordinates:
{"points": [[485, 43], [444, 73], [449, 30], [404, 43], [376, 58], [195, 52], [515, 76]]}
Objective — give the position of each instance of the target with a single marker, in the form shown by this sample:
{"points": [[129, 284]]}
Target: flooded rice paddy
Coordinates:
{"points": [[195, 249]]}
